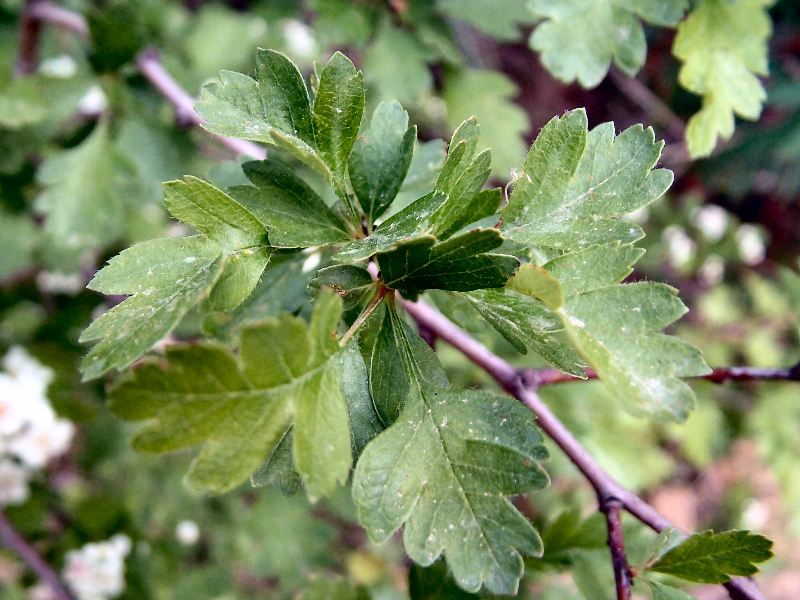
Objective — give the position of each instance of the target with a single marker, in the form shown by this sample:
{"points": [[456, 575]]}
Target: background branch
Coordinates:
{"points": [[612, 509], [11, 538]]}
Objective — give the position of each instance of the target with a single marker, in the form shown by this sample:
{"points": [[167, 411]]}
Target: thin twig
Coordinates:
{"points": [[30, 30], [612, 509], [540, 377], [513, 381], [363, 316], [150, 66], [654, 107], [10, 537]]}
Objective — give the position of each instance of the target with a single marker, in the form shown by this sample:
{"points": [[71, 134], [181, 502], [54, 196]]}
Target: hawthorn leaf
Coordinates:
{"points": [[381, 348], [434, 583], [380, 159], [723, 47], [616, 327], [462, 263], [165, 278], [324, 588], [273, 108], [660, 591], [611, 30], [293, 213], [576, 184], [501, 19], [444, 469], [288, 373], [527, 326], [338, 107], [710, 557], [488, 95], [455, 202], [18, 240], [352, 283], [84, 195]]}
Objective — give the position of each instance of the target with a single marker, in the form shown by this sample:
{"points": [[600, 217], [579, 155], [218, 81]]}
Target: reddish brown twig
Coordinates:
{"points": [[11, 538], [612, 509], [539, 377]]}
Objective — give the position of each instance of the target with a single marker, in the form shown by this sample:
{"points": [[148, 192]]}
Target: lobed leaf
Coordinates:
{"points": [[443, 469], [239, 409], [710, 557], [576, 184]]}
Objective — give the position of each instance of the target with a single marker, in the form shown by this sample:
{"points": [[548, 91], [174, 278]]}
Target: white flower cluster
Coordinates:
{"points": [[30, 432], [97, 571]]}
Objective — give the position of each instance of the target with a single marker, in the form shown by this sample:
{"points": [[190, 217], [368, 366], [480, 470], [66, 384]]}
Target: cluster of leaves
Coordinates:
{"points": [[307, 405]]}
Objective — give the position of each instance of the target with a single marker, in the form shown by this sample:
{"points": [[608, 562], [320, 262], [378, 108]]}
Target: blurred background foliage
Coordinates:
{"points": [[85, 142]]}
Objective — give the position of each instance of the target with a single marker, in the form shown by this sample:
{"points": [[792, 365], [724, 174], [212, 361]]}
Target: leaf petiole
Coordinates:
{"points": [[361, 319]]}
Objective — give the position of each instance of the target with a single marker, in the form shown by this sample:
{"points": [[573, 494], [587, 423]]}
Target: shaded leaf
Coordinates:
{"points": [[239, 408]]}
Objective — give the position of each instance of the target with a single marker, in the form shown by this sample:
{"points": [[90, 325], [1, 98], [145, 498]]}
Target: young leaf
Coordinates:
{"points": [[239, 409], [615, 327], [292, 212], [455, 202], [338, 107], [168, 277], [461, 263], [381, 157], [710, 557], [444, 469], [273, 108], [723, 46], [501, 19], [576, 184], [611, 30]]}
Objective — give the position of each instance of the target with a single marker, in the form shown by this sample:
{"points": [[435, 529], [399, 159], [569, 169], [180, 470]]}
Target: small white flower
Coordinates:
{"points": [[681, 247], [22, 365], [94, 101], [97, 571], [750, 244], [187, 533], [41, 441], [712, 221], [311, 263], [13, 483], [53, 282], [41, 591], [300, 40], [712, 270], [63, 67]]}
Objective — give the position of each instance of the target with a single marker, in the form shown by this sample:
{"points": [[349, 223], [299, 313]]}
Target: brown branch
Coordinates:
{"points": [[30, 30], [514, 382], [612, 509], [539, 377], [147, 61], [10, 537]]}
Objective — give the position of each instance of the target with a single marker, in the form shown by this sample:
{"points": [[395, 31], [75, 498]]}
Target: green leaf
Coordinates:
{"points": [[710, 557], [488, 95], [273, 108], [18, 240], [239, 408], [610, 30], [615, 327], [338, 107], [352, 283], [576, 185], [434, 583], [461, 263], [333, 589], [723, 45], [455, 202], [527, 326], [293, 213], [659, 591], [168, 277], [408, 81], [380, 159], [84, 196], [443, 469], [501, 19]]}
